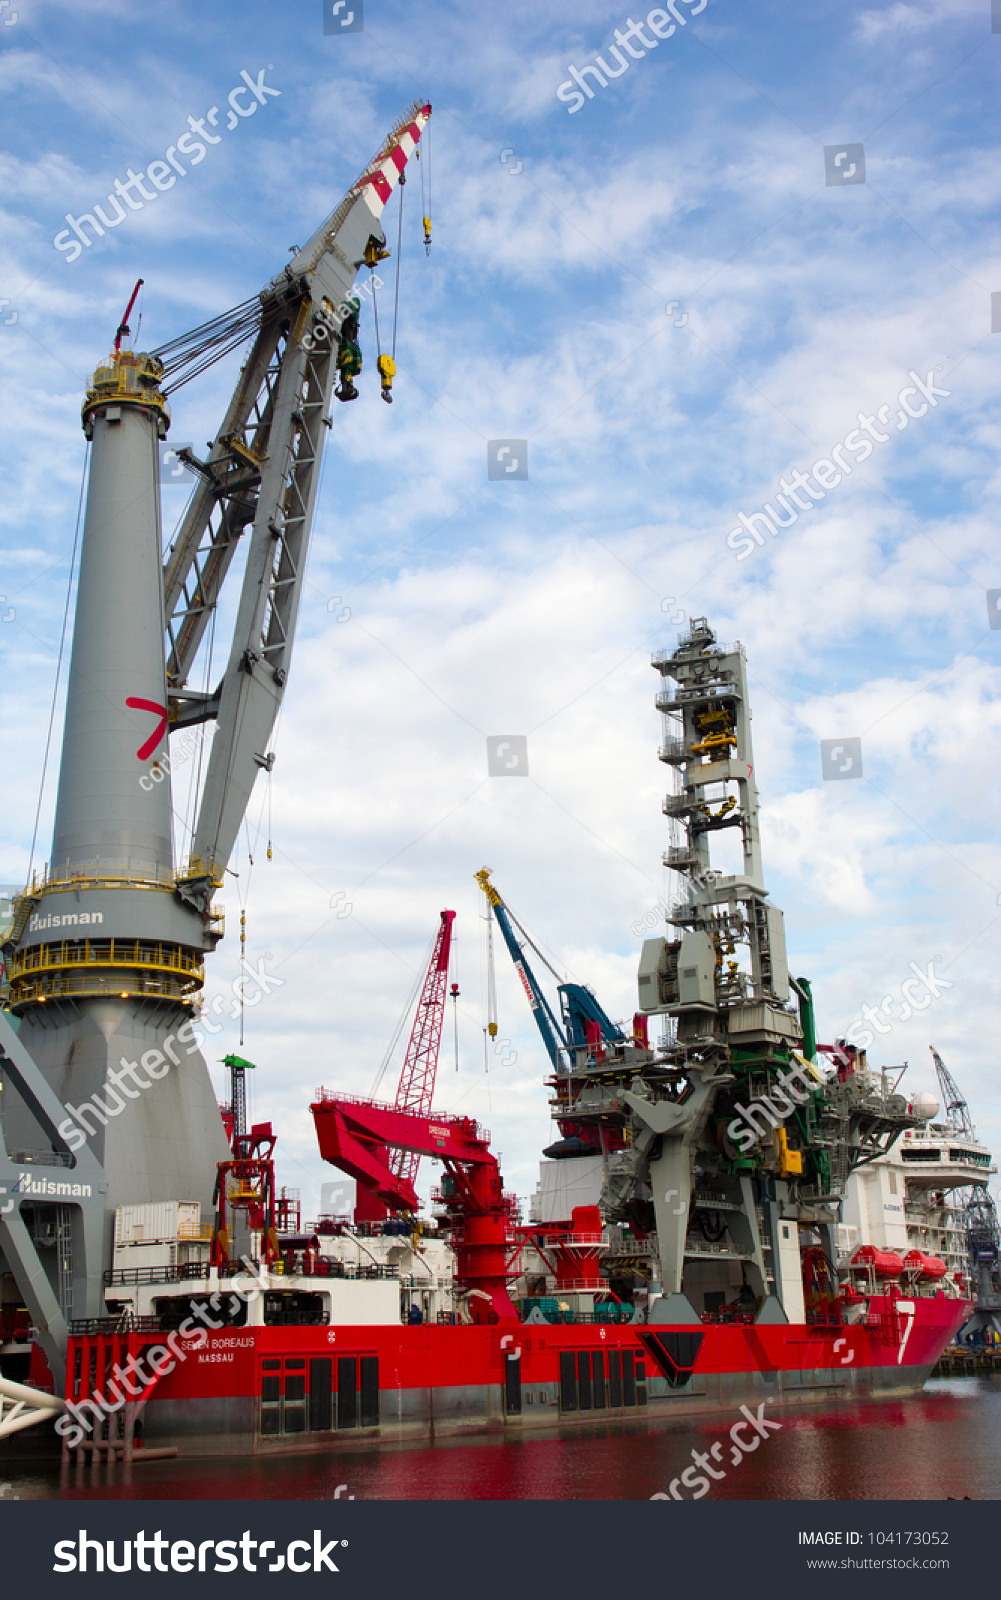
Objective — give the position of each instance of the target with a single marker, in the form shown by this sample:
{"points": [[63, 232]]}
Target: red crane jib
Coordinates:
{"points": [[420, 1064], [360, 1136]]}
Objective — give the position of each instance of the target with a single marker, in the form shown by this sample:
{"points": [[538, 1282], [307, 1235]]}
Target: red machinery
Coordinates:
{"points": [[361, 1137], [247, 1183], [574, 1249]]}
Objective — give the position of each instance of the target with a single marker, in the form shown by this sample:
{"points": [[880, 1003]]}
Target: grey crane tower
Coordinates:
{"points": [[105, 960]]}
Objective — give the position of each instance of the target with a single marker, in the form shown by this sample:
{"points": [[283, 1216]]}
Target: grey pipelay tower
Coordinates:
{"points": [[105, 961]]}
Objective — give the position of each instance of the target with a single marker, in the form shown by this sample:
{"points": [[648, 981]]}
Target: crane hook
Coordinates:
{"points": [[386, 368]]}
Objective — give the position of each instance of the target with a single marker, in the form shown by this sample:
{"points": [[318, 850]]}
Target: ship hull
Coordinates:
{"points": [[277, 1390]]}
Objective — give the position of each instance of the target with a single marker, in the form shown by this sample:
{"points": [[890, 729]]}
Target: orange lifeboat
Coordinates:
{"points": [[927, 1269], [882, 1262]]}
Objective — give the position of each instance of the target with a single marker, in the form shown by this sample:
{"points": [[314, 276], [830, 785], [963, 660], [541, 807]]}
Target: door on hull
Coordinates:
{"points": [[512, 1385], [321, 1398], [318, 1395], [586, 1384], [357, 1392]]}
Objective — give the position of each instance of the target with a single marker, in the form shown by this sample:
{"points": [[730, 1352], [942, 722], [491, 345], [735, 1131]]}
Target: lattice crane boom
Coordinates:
{"points": [[420, 1064], [953, 1103], [262, 473]]}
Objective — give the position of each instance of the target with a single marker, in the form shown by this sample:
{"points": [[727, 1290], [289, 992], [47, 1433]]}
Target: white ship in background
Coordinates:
{"points": [[929, 1193]]}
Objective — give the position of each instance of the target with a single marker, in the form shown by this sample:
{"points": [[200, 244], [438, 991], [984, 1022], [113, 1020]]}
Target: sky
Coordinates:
{"points": [[675, 294]]}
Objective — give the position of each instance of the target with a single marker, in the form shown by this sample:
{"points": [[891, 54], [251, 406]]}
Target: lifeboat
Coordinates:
{"points": [[882, 1262], [927, 1269]]}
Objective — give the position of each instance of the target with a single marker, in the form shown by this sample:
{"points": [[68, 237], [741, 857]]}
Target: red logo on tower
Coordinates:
{"points": [[146, 750]]}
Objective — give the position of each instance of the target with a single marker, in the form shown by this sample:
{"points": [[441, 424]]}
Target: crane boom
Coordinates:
{"points": [[552, 1034], [954, 1105], [262, 472], [420, 1064], [357, 1136], [578, 1006]]}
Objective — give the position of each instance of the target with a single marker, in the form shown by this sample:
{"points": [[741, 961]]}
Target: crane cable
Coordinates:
{"points": [[426, 203], [411, 1001], [386, 363], [59, 663], [399, 258]]}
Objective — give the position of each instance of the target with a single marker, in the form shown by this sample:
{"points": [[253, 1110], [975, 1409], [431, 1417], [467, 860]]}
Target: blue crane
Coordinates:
{"points": [[578, 1006]]}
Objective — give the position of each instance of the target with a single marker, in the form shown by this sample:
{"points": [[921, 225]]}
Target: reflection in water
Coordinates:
{"points": [[944, 1442]]}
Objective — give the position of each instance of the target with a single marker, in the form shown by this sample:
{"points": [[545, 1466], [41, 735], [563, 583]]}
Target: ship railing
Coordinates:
{"points": [[105, 875], [186, 1272], [105, 953], [128, 1323], [567, 1241], [40, 1158], [201, 1271], [324, 1267]]}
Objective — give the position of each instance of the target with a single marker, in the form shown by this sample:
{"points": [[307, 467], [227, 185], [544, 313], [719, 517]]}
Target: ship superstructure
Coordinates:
{"points": [[929, 1196], [915, 1196]]}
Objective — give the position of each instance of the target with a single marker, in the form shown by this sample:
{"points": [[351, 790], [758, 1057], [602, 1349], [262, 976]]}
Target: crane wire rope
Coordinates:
{"points": [[532, 944], [411, 1001], [192, 353], [59, 663], [375, 309], [399, 258]]}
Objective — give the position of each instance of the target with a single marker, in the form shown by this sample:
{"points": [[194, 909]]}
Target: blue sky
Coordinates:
{"points": [[696, 178]]}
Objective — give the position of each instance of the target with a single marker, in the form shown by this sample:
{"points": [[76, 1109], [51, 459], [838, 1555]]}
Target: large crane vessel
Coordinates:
{"points": [[140, 1255]]}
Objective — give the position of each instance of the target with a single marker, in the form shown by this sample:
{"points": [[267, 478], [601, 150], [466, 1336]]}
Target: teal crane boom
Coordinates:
{"points": [[583, 1020]]}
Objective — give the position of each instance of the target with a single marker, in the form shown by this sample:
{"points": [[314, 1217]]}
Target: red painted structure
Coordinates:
{"points": [[462, 1379], [358, 1136], [571, 1250], [247, 1184]]}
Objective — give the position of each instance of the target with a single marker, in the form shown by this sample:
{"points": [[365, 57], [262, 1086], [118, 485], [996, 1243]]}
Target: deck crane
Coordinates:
{"points": [[953, 1103], [262, 472], [415, 1090], [86, 1004], [583, 1024], [980, 1220], [358, 1136]]}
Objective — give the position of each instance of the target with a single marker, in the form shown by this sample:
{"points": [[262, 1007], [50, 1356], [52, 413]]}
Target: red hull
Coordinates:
{"points": [[292, 1387]]}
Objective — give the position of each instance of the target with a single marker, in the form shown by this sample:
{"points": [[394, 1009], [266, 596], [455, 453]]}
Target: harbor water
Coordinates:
{"points": [[942, 1444]]}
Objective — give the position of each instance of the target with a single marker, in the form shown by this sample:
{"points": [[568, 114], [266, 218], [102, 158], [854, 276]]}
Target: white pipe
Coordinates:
{"points": [[30, 1397]]}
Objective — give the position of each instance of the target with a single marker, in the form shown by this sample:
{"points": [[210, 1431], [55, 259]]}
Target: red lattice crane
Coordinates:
{"points": [[420, 1065], [417, 1078]]}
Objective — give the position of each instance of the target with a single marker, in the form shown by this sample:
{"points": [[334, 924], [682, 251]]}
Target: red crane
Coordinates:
{"points": [[420, 1065], [362, 1138], [416, 1089]]}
